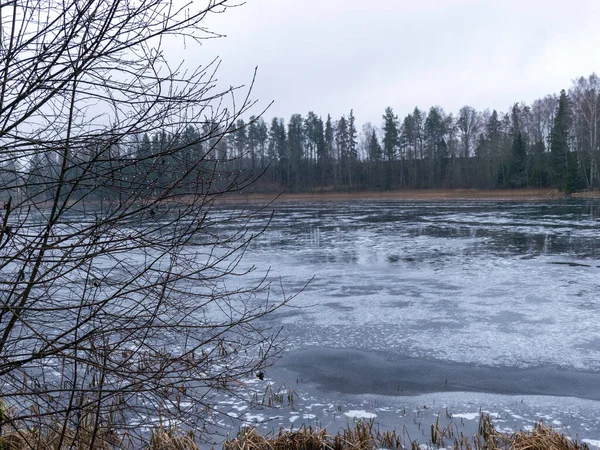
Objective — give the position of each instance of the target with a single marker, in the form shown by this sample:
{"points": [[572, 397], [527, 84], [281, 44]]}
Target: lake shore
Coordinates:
{"points": [[408, 195]]}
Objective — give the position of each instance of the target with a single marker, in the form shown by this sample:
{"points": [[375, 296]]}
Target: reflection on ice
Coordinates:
{"points": [[512, 283]]}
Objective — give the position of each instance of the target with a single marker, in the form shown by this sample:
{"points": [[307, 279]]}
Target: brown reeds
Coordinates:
{"points": [[540, 437], [363, 435], [171, 439], [47, 439], [544, 438], [301, 439]]}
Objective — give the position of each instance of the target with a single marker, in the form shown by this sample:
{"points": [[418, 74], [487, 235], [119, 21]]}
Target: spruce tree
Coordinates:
{"points": [[518, 168], [518, 160], [373, 147], [390, 134]]}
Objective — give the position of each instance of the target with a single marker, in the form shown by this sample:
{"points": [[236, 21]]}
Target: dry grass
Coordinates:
{"points": [[90, 433], [171, 439], [544, 438], [360, 437], [365, 436], [302, 439], [161, 438], [36, 439], [540, 438], [525, 194]]}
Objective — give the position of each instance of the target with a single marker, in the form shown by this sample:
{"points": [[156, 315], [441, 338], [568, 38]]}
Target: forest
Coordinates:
{"points": [[552, 143]]}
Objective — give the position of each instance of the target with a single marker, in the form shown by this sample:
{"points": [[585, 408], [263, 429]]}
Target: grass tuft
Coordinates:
{"points": [[171, 439]]}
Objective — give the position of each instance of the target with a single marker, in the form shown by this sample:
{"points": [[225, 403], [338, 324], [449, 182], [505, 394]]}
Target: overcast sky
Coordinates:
{"points": [[329, 56]]}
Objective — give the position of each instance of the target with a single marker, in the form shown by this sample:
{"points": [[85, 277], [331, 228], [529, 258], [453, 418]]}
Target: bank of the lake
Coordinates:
{"points": [[515, 195]]}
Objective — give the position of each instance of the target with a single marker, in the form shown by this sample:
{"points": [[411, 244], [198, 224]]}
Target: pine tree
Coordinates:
{"points": [[342, 144], [327, 153], [352, 136], [192, 142], [240, 143], [417, 116], [315, 142], [278, 154], [262, 136], [492, 155], [559, 141], [435, 146], [390, 134], [352, 147], [407, 137], [253, 139], [296, 149], [390, 143]]}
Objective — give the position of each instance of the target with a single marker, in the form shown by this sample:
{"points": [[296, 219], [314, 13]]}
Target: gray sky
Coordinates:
{"points": [[329, 56]]}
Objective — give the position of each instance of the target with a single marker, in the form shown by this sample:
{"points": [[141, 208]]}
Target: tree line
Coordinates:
{"points": [[552, 143]]}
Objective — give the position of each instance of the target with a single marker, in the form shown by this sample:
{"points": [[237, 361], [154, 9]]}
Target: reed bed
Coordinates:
{"points": [[364, 435], [48, 439]]}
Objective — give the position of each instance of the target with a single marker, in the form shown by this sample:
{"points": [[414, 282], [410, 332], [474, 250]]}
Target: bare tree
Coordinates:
{"points": [[468, 125], [543, 111], [585, 101], [115, 309]]}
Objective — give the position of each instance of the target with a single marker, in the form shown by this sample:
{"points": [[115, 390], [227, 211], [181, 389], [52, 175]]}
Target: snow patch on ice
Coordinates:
{"points": [[467, 416], [254, 417], [592, 443], [359, 414]]}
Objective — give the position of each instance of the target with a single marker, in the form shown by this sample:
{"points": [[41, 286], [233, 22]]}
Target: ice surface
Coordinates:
{"points": [[480, 284], [489, 284]]}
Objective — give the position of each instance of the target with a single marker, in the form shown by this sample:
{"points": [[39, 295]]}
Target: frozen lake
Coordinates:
{"points": [[423, 308]]}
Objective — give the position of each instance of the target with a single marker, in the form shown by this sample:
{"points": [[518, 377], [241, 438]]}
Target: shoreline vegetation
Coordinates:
{"points": [[364, 435], [526, 194], [361, 435], [410, 195]]}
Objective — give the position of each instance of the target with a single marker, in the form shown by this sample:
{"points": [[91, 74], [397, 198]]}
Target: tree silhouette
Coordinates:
{"points": [[114, 307]]}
